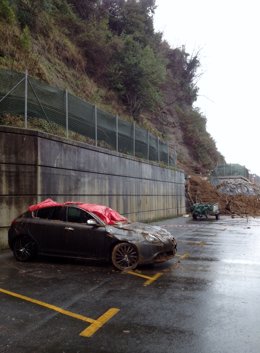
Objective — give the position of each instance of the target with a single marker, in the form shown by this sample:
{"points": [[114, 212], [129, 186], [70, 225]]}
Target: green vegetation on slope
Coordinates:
{"points": [[108, 53]]}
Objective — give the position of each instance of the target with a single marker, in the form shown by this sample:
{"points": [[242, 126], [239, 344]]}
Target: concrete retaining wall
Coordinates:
{"points": [[35, 166]]}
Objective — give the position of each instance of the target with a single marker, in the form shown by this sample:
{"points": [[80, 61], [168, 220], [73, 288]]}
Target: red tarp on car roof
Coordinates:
{"points": [[105, 213], [43, 204]]}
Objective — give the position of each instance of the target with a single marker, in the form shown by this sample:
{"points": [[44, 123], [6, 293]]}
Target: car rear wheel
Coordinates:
{"points": [[125, 256], [24, 248]]}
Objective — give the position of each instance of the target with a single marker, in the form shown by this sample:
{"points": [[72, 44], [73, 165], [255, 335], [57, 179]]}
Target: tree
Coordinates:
{"points": [[200, 143], [182, 71], [136, 74], [6, 11], [87, 9], [131, 17], [114, 10]]}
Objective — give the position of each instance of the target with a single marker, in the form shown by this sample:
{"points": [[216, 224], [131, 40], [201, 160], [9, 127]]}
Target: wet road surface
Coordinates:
{"points": [[204, 300]]}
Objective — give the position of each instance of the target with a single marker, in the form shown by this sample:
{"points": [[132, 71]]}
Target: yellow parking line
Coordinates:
{"points": [[89, 331], [197, 243], [159, 274], [49, 306], [152, 279], [149, 278], [97, 324], [184, 256]]}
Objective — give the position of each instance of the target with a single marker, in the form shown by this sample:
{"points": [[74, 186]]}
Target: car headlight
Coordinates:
{"points": [[151, 238]]}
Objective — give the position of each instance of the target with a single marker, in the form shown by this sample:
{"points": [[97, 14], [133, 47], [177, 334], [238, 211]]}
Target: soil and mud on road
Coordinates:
{"points": [[236, 197]]}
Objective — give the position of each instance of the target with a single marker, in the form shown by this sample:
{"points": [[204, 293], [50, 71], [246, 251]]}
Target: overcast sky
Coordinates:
{"points": [[226, 34]]}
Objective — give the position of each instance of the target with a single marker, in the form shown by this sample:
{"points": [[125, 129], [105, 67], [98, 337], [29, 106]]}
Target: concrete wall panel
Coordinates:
{"points": [[35, 166]]}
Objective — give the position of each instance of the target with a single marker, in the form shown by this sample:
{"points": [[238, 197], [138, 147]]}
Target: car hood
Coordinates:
{"points": [[139, 231]]}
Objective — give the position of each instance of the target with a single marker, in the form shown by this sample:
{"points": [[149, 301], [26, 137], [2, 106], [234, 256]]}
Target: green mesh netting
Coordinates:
{"points": [[46, 102], [106, 128], [125, 137]]}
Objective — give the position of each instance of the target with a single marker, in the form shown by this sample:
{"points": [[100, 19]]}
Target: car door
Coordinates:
{"points": [[47, 228], [84, 240]]}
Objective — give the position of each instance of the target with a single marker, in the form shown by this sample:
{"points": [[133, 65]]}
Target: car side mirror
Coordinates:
{"points": [[92, 222]]}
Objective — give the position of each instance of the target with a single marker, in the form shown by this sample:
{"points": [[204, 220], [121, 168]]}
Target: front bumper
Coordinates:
{"points": [[153, 253]]}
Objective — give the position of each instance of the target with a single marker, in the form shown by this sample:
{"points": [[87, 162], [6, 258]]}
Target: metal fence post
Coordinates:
{"points": [[96, 121], [148, 145], [117, 133], [158, 148], [175, 156], [26, 99], [67, 112], [168, 156], [133, 138]]}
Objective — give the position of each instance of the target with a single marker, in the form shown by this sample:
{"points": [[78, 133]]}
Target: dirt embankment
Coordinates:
{"points": [[199, 189]]}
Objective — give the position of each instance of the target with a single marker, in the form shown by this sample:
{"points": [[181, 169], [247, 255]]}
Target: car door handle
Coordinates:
{"points": [[70, 229]]}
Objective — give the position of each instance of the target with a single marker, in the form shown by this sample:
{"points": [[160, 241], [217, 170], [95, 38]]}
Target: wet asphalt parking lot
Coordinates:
{"points": [[204, 300]]}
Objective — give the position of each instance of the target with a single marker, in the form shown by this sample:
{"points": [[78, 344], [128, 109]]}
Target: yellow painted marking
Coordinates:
{"points": [[152, 279], [49, 306], [159, 274], [97, 324], [89, 331], [138, 274], [149, 278], [184, 256], [197, 243]]}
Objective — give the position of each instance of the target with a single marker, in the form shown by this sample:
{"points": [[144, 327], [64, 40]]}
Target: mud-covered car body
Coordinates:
{"points": [[75, 230]]}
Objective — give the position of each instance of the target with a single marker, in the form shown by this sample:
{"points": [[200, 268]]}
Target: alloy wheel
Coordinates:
{"points": [[125, 256]]}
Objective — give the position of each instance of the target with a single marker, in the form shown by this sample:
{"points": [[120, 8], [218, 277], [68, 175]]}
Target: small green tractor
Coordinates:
{"points": [[200, 210]]}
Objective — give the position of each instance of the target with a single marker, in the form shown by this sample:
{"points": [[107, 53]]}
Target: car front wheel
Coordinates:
{"points": [[24, 248], [125, 256]]}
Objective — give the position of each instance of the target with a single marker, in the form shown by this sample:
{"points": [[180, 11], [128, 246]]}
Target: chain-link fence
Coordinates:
{"points": [[230, 170], [25, 96]]}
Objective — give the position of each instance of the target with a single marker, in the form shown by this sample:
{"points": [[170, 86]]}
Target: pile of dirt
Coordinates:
{"points": [[199, 189]]}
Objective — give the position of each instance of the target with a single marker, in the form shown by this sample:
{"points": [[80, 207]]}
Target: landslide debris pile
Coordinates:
{"points": [[238, 187], [234, 197]]}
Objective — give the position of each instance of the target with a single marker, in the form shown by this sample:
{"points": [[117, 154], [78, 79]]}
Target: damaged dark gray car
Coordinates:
{"points": [[87, 231]]}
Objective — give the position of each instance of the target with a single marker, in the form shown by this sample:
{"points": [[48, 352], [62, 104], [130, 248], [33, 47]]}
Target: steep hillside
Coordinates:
{"points": [[108, 53]]}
